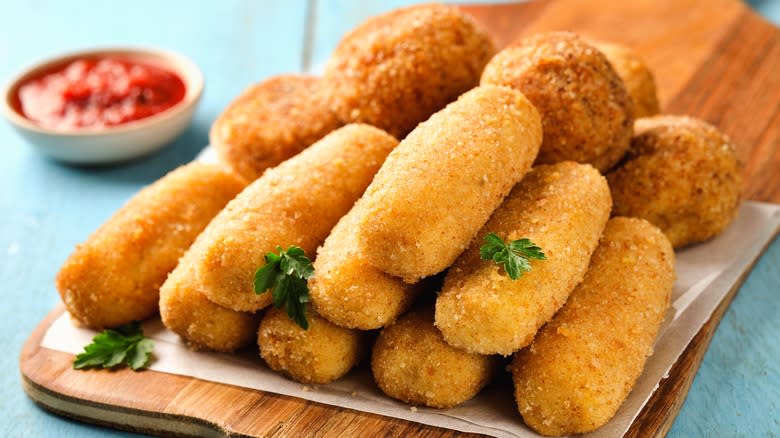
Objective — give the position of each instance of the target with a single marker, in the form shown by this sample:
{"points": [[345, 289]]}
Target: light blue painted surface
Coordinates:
{"points": [[46, 208]]}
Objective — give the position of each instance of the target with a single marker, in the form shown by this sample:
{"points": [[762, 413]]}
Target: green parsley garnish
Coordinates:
{"points": [[514, 257], [285, 275], [125, 345]]}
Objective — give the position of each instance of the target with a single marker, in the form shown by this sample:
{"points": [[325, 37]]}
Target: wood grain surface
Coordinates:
{"points": [[716, 60]]}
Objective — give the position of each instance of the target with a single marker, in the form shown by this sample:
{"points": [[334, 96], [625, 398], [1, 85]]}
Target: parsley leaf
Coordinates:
{"points": [[285, 274], [125, 345], [514, 257]]}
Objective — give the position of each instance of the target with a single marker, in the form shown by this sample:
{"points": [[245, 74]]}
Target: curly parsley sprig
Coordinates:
{"points": [[515, 256], [286, 275], [125, 345]]}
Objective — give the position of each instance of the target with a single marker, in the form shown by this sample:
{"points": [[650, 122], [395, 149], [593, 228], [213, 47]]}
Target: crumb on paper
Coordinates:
{"points": [[413, 408], [305, 388], [353, 394]]}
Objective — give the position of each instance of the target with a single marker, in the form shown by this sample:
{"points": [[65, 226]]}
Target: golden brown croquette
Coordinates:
{"points": [[412, 363], [682, 175], [350, 292], [636, 76], [562, 208], [396, 69], [296, 203], [585, 108], [114, 277], [440, 185], [321, 354], [270, 122], [186, 311], [582, 364]]}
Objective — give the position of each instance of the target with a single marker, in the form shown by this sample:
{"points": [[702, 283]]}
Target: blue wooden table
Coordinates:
{"points": [[46, 208]]}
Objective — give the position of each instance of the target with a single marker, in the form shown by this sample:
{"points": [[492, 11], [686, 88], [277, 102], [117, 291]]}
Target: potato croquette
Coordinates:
{"points": [[638, 79], [412, 363], [682, 175], [114, 277], [585, 108], [350, 292], [296, 203], [562, 208], [582, 365], [270, 122], [397, 69], [321, 354], [202, 324], [444, 180]]}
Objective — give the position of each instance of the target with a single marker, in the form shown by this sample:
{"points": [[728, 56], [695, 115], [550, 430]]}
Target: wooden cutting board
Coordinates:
{"points": [[714, 59]]}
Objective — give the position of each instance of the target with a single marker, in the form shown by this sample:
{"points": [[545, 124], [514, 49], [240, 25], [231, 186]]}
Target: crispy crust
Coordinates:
{"points": [[637, 77], [412, 363], [682, 175], [396, 69], [114, 277], [321, 354], [563, 208], [349, 291], [270, 122], [296, 203], [440, 185], [583, 363], [186, 311], [585, 108]]}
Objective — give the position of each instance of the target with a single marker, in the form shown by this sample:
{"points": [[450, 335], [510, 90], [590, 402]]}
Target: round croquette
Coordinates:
{"points": [[396, 69], [270, 122], [637, 77], [585, 107], [682, 175]]}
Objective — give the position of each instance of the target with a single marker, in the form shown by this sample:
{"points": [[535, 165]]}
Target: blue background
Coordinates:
{"points": [[46, 208]]}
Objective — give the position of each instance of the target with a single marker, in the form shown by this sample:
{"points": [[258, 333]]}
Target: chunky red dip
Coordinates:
{"points": [[96, 93]]}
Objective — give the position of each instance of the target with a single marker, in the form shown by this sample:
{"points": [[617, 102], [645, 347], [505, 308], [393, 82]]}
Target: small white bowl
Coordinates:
{"points": [[113, 143]]}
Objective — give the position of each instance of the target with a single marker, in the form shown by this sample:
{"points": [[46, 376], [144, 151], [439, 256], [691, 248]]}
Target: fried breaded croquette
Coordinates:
{"points": [[396, 69], [582, 364], [412, 363], [682, 175], [114, 277], [321, 354], [270, 122], [350, 292], [636, 76], [440, 185], [562, 208], [186, 311], [585, 108], [296, 203]]}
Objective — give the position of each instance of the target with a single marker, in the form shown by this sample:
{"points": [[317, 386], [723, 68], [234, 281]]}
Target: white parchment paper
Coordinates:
{"points": [[705, 274]]}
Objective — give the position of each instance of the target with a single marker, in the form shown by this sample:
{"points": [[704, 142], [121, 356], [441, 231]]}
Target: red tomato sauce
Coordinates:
{"points": [[97, 93]]}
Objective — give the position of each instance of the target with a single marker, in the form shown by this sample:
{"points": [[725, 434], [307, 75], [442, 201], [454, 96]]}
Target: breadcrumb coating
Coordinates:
{"points": [[186, 311], [270, 122], [636, 76], [585, 108], [349, 291], [583, 364], [114, 277], [296, 203], [682, 175], [321, 354], [412, 363], [562, 208], [440, 185], [396, 69]]}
